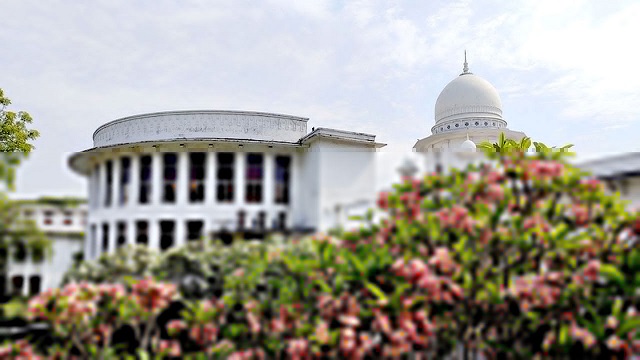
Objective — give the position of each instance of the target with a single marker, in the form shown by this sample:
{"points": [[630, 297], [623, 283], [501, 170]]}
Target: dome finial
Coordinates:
{"points": [[465, 68]]}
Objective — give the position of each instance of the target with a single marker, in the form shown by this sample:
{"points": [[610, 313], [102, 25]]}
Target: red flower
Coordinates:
{"points": [[591, 270]]}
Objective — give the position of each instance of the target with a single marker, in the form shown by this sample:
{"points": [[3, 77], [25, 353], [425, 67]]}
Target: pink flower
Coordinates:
{"points": [[170, 347], [239, 272], [442, 260], [383, 200], [153, 296], [591, 270], [297, 348], [175, 326], [399, 268], [254, 324], [350, 321], [322, 333], [591, 184], [204, 334], [417, 269], [614, 342], [612, 322]]}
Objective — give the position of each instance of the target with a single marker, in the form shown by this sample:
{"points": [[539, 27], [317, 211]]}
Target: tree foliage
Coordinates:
{"points": [[15, 139]]}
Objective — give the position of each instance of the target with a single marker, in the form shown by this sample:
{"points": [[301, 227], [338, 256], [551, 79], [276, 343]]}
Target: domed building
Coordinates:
{"points": [[468, 111], [163, 179]]}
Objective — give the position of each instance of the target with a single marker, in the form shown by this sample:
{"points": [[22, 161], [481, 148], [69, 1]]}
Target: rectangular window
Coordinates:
{"points": [[253, 178], [167, 234], [282, 221], [125, 179], [109, 184], [121, 234], [196, 178], [28, 214], [194, 230], [105, 237], [68, 218], [170, 175], [283, 182], [48, 217], [34, 284], [17, 283], [225, 177], [20, 251], [145, 180], [93, 241], [142, 232]]}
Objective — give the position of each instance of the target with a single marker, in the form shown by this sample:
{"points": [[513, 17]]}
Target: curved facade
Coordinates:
{"points": [[163, 179]]}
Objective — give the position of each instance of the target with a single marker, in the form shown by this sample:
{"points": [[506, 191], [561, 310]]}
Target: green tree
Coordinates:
{"points": [[17, 236], [15, 139]]}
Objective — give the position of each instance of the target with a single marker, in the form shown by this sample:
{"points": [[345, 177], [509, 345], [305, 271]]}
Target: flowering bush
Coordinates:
{"points": [[525, 258]]}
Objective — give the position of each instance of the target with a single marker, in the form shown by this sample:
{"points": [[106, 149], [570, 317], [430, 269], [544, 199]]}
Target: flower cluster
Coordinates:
{"points": [[153, 296], [518, 259]]}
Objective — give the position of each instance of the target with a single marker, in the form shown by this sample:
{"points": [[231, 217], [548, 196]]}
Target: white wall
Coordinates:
{"points": [[347, 174]]}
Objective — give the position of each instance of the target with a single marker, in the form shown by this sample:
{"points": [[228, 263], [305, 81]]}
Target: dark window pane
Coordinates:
{"points": [[34, 285], [194, 230], [105, 237], [166, 234], [17, 283]]}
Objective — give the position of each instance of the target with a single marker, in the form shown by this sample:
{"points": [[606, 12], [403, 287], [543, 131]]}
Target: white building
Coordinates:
{"points": [[63, 222], [620, 173], [166, 178], [468, 111]]}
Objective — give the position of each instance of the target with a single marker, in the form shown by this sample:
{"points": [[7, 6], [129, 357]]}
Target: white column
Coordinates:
{"points": [[131, 231], [180, 232], [102, 184], [182, 184], [134, 180], [295, 195], [116, 182], [112, 236], [268, 180], [156, 179], [210, 178], [154, 233], [240, 175], [98, 241]]}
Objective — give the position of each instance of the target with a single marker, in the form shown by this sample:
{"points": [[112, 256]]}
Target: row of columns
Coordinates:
{"points": [[97, 184], [96, 233]]}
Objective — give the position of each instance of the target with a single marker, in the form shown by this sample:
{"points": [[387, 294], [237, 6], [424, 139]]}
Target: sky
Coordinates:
{"points": [[567, 71]]}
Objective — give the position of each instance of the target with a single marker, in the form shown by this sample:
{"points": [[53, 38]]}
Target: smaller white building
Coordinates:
{"points": [[620, 173], [63, 221]]}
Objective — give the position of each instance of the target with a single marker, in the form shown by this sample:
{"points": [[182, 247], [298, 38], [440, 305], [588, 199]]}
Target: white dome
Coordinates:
{"points": [[468, 96], [468, 145]]}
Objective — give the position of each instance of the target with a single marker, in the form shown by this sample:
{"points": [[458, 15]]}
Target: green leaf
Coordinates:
{"points": [[376, 291], [612, 273], [629, 325], [323, 285]]}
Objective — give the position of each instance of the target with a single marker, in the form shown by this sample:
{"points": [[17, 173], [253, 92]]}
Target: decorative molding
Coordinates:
{"points": [[467, 110], [200, 124]]}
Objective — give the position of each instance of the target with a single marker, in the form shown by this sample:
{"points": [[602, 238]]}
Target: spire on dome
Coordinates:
{"points": [[465, 68]]}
